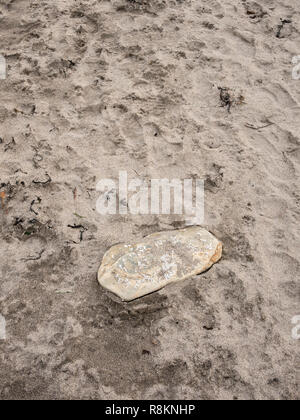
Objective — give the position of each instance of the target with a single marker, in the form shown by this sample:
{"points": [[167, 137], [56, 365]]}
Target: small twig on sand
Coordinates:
{"points": [[281, 26], [226, 98], [32, 204], [253, 127], [43, 182], [63, 291], [38, 257], [77, 227], [78, 215], [10, 145], [2, 196], [82, 230]]}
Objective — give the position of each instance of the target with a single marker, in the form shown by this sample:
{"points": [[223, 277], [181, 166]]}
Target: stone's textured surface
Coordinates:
{"points": [[132, 271]]}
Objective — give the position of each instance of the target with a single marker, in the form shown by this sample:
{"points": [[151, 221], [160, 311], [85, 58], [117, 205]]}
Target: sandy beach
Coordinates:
{"points": [[194, 89]]}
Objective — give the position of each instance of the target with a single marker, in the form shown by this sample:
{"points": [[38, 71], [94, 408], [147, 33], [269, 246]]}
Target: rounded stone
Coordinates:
{"points": [[133, 270]]}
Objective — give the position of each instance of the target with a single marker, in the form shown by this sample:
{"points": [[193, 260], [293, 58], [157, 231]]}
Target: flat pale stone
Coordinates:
{"points": [[134, 270]]}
